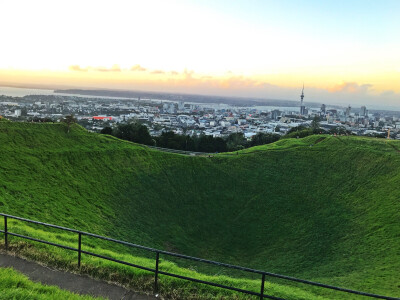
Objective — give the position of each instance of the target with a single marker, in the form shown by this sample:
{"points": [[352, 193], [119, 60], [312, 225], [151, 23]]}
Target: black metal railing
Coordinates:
{"points": [[158, 272]]}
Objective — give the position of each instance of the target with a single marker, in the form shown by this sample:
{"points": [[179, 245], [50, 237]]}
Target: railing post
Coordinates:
{"points": [[5, 233], [79, 249], [156, 274], [262, 287]]}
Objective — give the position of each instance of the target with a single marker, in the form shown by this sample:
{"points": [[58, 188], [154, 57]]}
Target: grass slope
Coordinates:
{"points": [[321, 208]]}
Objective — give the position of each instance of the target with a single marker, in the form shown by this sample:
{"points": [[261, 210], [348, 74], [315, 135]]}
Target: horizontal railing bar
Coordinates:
{"points": [[179, 276], [137, 246], [218, 285], [330, 286], [118, 261], [211, 262], [40, 223], [120, 242], [174, 254], [40, 241], [140, 267], [182, 256]]}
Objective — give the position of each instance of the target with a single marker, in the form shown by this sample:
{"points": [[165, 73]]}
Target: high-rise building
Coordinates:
{"points": [[275, 114], [348, 109], [363, 112], [323, 108], [302, 107]]}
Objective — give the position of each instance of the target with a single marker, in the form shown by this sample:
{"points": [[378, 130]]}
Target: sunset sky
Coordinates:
{"points": [[345, 52]]}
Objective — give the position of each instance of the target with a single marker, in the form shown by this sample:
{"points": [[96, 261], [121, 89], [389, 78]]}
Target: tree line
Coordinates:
{"points": [[139, 133]]}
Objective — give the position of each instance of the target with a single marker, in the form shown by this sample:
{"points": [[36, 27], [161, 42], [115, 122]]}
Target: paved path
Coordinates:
{"points": [[68, 281]]}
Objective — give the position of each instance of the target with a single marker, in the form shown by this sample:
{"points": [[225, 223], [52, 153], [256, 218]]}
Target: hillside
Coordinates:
{"points": [[321, 208]]}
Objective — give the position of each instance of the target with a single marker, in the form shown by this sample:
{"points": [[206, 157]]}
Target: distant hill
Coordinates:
{"points": [[185, 97], [321, 208]]}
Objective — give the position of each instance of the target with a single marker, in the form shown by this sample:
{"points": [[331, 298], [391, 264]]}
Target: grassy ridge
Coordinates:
{"points": [[321, 208]]}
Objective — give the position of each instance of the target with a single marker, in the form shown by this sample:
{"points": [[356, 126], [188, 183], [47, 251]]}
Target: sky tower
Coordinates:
{"points": [[302, 107]]}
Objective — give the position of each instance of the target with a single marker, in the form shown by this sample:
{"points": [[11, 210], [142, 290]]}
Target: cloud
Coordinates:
{"points": [[188, 73], [231, 84], [192, 80], [235, 82], [351, 87], [157, 72], [138, 68], [117, 68], [114, 68], [388, 93], [77, 68]]}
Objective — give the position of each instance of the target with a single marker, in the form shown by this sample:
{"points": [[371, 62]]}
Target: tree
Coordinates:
{"points": [[134, 132], [106, 130], [296, 129], [208, 143], [69, 120], [171, 140], [299, 134], [236, 141], [264, 138], [315, 124], [339, 130], [24, 112]]}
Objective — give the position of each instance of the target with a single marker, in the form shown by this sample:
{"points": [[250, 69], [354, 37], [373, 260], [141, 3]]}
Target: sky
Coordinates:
{"points": [[344, 51]]}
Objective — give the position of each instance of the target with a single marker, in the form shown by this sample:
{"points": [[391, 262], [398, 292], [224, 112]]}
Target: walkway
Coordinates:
{"points": [[68, 281]]}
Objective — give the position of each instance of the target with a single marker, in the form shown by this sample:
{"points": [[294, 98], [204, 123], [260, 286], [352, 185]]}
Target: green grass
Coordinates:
{"points": [[14, 285], [321, 208]]}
